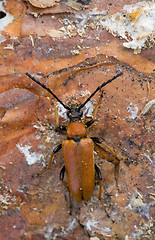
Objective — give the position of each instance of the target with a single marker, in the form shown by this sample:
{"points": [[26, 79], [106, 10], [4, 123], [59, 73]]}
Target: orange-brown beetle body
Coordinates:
{"points": [[78, 150], [79, 161]]}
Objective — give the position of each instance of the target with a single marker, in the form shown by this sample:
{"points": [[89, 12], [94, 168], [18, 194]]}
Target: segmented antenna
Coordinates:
{"points": [[83, 104], [97, 89], [49, 90]]}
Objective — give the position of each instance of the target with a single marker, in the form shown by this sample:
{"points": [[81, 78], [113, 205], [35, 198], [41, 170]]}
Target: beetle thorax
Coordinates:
{"points": [[76, 129]]}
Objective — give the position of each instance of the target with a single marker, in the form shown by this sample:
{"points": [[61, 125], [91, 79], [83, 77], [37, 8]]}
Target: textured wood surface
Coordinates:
{"points": [[66, 48]]}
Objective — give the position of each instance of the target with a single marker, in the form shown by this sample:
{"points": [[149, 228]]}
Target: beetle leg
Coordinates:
{"points": [[58, 127], [108, 156], [55, 150], [56, 115], [100, 191], [97, 105], [100, 180], [98, 140], [62, 173], [89, 123]]}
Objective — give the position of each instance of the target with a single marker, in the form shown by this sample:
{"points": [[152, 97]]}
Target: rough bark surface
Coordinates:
{"points": [[66, 47]]}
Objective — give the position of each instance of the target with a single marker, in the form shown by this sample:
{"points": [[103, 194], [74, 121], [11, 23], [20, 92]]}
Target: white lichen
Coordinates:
{"points": [[4, 21], [31, 157]]}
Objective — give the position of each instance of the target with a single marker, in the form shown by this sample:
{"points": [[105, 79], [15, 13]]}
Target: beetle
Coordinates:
{"points": [[78, 149]]}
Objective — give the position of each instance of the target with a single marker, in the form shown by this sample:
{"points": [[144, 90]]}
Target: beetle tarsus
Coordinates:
{"points": [[108, 214], [36, 175]]}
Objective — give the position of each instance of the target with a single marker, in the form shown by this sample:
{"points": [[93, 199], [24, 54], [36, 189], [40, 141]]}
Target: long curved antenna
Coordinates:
{"points": [[97, 89], [49, 90]]}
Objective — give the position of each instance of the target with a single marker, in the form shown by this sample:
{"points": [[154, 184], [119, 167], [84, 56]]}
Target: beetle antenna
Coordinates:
{"points": [[49, 90], [97, 89]]}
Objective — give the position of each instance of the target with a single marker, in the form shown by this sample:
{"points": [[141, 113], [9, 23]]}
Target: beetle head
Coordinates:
{"points": [[74, 114]]}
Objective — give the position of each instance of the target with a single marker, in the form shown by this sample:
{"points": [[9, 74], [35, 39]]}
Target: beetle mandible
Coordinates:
{"points": [[78, 149]]}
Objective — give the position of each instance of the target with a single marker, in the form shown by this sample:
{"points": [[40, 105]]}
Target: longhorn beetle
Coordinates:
{"points": [[78, 149]]}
